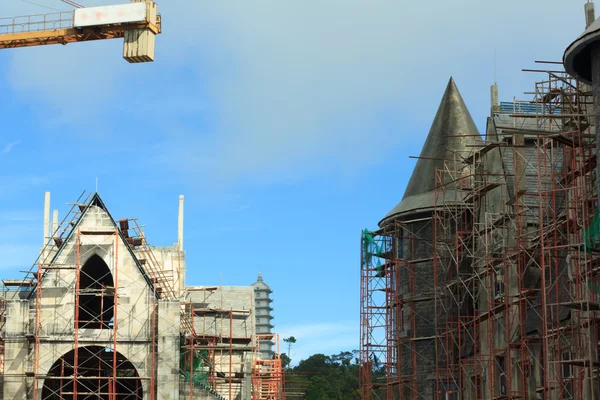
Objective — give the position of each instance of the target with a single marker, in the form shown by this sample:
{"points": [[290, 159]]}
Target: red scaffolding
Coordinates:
{"points": [[516, 255], [267, 376]]}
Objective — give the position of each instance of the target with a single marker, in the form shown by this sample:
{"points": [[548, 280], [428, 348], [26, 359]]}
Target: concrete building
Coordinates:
{"points": [[482, 283], [264, 317], [104, 315], [225, 316]]}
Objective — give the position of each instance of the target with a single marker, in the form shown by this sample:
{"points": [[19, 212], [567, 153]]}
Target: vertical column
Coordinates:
{"points": [[180, 223], [168, 350], [515, 271], [596, 95], [246, 391], [180, 254], [16, 350], [495, 103], [590, 15]]}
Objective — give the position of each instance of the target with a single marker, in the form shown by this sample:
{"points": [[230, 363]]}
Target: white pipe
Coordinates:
{"points": [[180, 224]]}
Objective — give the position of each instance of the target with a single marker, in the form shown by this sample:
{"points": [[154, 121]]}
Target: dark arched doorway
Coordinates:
{"points": [[96, 295], [96, 378]]}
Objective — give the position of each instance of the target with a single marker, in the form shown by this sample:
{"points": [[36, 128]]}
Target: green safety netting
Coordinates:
{"points": [[372, 248], [591, 236], [198, 368]]}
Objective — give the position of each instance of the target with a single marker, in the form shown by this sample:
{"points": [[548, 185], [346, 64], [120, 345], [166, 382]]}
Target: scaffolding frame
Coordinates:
{"points": [[525, 231], [220, 348], [517, 310], [268, 375], [375, 310], [87, 370]]}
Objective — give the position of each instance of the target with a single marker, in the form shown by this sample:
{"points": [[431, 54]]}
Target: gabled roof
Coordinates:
{"points": [[97, 201], [452, 132]]}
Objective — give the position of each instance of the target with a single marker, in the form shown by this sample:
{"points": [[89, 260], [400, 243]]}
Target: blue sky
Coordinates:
{"points": [[287, 125]]}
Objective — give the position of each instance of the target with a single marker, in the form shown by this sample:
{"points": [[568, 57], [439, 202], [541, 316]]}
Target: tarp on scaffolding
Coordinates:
{"points": [[372, 248], [194, 366], [591, 236]]}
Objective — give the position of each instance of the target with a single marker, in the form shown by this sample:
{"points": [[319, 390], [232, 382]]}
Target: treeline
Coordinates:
{"points": [[322, 377]]}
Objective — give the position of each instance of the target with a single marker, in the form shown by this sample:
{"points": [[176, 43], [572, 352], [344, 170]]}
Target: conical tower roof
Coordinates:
{"points": [[451, 133]]}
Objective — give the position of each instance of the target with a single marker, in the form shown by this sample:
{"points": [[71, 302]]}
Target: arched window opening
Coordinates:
{"points": [[96, 295], [96, 378]]}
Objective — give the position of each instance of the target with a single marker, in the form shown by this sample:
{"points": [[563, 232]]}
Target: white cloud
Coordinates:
{"points": [[17, 258], [235, 229], [320, 337], [19, 216], [7, 148], [288, 86], [18, 229], [13, 184]]}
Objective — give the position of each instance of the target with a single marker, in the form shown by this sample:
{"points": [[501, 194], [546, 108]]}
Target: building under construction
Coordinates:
{"points": [[104, 315], [482, 283]]}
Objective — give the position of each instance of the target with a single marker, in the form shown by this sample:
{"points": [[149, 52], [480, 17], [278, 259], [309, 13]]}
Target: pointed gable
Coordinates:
{"points": [[452, 131], [64, 252], [95, 241]]}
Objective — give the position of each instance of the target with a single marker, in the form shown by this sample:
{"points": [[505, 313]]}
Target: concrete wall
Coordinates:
{"points": [[418, 307], [213, 319], [168, 350], [224, 298], [16, 350], [172, 263]]}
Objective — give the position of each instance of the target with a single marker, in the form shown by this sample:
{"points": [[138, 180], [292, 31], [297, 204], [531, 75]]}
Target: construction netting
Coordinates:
{"points": [[591, 239], [373, 248], [194, 366], [591, 236]]}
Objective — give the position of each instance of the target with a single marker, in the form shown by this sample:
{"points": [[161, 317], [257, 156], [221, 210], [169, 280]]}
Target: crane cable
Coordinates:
{"points": [[40, 5], [72, 3]]}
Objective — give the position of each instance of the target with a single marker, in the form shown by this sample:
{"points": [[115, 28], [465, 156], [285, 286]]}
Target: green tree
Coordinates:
{"points": [[285, 360], [291, 340], [325, 377]]}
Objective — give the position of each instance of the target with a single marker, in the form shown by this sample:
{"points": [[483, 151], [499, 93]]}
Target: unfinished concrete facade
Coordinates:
{"points": [[225, 313], [91, 308], [104, 315]]}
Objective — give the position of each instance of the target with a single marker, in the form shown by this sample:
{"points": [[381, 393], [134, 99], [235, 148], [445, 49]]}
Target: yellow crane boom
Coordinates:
{"points": [[87, 24]]}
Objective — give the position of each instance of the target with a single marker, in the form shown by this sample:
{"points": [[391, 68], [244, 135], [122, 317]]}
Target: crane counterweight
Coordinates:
{"points": [[137, 22]]}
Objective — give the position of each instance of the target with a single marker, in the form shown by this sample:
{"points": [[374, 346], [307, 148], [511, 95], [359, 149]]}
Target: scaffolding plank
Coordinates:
{"points": [[482, 151], [580, 305]]}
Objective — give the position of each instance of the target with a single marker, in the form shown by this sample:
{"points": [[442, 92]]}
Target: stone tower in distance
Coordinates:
{"points": [[263, 309]]}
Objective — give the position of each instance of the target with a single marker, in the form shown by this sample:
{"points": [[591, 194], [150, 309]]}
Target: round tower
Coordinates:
{"points": [[452, 136]]}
